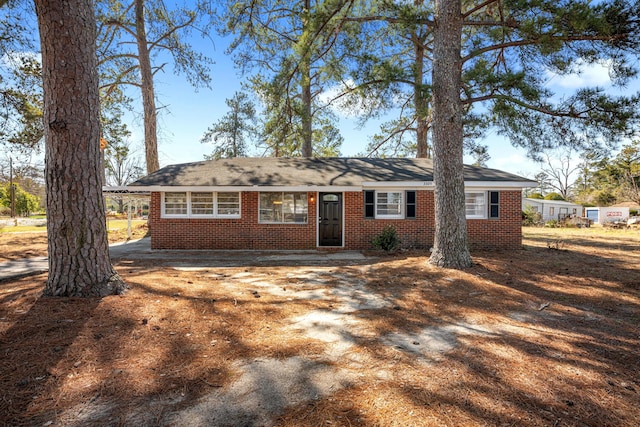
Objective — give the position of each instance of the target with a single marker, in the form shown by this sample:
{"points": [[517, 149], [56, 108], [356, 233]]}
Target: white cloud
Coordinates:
{"points": [[587, 75], [12, 59], [345, 104]]}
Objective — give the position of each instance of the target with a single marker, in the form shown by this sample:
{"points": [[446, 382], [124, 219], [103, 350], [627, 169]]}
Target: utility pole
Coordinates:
{"points": [[12, 189]]}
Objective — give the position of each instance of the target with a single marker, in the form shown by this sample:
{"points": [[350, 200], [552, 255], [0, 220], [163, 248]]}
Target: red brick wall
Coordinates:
{"points": [[240, 233], [414, 233], [501, 233], [247, 233]]}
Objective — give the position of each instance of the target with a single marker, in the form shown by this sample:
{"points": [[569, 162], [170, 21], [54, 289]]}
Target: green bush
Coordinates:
{"points": [[531, 217], [387, 240]]}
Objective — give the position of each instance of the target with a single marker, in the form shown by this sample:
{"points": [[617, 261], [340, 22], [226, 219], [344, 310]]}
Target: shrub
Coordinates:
{"points": [[552, 223], [387, 240], [531, 217]]}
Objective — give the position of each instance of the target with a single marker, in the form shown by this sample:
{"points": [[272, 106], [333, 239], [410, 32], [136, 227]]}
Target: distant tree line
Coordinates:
{"points": [[593, 178]]}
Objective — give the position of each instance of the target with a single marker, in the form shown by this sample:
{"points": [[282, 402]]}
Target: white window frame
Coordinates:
{"points": [[399, 215], [216, 206], [282, 193], [164, 202], [483, 209], [190, 214]]}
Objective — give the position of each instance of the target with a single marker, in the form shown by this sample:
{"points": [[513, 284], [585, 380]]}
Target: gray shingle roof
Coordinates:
{"points": [[295, 171]]}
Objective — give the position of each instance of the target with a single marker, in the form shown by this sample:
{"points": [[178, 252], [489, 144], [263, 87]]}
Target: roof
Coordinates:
{"points": [[300, 171], [550, 202]]}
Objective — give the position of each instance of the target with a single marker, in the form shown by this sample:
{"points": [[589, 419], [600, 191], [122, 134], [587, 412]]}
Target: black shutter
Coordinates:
{"points": [[410, 207], [369, 204], [494, 204]]}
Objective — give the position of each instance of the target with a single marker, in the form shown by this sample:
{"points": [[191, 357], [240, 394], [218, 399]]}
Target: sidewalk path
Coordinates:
{"points": [[26, 266], [141, 250]]}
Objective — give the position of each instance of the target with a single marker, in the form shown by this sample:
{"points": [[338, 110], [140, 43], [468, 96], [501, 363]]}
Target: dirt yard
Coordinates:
{"points": [[545, 336]]}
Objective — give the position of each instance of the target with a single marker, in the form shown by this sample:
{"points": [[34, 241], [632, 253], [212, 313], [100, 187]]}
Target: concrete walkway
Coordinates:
{"points": [[35, 265], [140, 250]]}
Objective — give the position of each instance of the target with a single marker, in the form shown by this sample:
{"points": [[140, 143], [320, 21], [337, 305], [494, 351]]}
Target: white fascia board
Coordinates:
{"points": [[492, 185], [398, 184], [488, 185], [244, 188]]}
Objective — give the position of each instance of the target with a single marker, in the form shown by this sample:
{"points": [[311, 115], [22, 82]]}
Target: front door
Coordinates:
{"points": [[330, 219]]}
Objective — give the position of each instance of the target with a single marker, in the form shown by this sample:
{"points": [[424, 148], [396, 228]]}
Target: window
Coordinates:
{"points": [[475, 205], [201, 204], [175, 203], [228, 204], [552, 211], [276, 207], [389, 204]]}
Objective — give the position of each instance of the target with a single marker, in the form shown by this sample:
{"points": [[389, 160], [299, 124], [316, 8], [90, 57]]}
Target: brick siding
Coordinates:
{"points": [[246, 233]]}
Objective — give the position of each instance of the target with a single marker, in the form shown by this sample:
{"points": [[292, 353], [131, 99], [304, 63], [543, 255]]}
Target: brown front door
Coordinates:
{"points": [[330, 219]]}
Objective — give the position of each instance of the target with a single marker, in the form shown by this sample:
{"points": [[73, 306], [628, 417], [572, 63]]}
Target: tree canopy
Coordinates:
{"points": [[131, 37], [291, 50]]}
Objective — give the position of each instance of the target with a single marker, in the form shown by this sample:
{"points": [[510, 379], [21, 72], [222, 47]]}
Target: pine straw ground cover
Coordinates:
{"points": [[549, 335]]}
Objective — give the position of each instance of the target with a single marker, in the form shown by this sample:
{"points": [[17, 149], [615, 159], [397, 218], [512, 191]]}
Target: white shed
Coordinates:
{"points": [[552, 209], [601, 215]]}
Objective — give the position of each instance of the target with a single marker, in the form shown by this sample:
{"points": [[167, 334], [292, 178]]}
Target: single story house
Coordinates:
{"points": [[552, 209], [315, 203]]}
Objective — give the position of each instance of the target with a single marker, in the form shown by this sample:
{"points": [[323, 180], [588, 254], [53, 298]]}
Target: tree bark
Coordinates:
{"points": [[421, 102], [450, 246], [79, 263], [146, 86], [305, 71]]}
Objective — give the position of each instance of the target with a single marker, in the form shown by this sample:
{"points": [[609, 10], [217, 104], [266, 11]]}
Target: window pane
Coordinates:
{"points": [[474, 204], [202, 203], [228, 203], [270, 207], [301, 208], [389, 203], [288, 207], [283, 207], [175, 203]]}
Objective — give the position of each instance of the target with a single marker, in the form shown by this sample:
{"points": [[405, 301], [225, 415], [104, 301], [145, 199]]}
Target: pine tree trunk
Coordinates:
{"points": [[307, 143], [421, 103], [79, 263], [450, 246], [305, 70], [148, 98]]}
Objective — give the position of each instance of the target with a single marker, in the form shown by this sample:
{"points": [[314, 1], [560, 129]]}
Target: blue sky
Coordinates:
{"points": [[189, 113]]}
